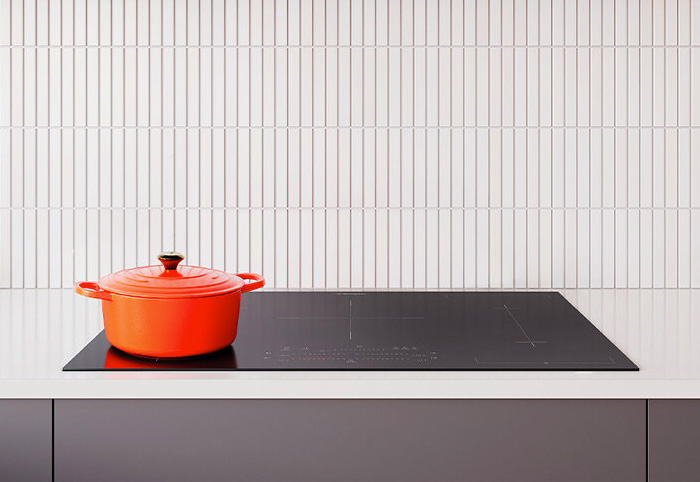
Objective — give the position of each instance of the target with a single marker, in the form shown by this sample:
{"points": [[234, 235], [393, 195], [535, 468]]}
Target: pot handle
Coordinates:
{"points": [[258, 281], [92, 290]]}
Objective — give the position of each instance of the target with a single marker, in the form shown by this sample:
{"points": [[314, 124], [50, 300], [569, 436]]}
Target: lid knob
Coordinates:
{"points": [[170, 259]]}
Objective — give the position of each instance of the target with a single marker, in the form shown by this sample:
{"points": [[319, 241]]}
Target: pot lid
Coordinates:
{"points": [[170, 280]]}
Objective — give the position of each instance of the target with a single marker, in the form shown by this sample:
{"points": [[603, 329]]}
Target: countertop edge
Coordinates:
{"points": [[349, 389]]}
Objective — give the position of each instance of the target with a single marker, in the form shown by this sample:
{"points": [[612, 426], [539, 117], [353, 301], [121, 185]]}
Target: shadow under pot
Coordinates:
{"points": [[170, 310]]}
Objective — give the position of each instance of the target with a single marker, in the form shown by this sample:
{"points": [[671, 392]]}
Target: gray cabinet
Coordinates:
{"points": [[25, 440], [674, 440], [350, 440]]}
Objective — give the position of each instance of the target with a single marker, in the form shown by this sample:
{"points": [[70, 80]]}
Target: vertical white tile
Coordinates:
{"points": [[507, 168], [407, 253], [443, 186], [596, 248], [394, 89], [520, 87], [5, 169], [533, 162], [633, 248], [583, 23], [684, 251], [571, 159], [583, 250], [694, 257], [671, 88], [671, 172], [495, 249], [67, 252], [684, 94], [608, 248], [659, 248], [533, 249], [443, 19], [621, 169], [495, 168], [545, 168], [608, 87], [318, 82], [621, 254], [570, 21], [407, 95], [407, 166], [495, 91], [507, 22], [419, 250], [369, 108], [595, 166], [583, 187], [369, 269], [457, 8], [205, 170], [6, 23], [633, 167], [633, 87], [471, 274], [394, 246], [671, 22], [344, 168], [143, 169], [255, 96], [520, 248], [570, 249], [659, 168], [508, 248], [381, 250], [608, 168], [646, 168], [558, 90], [319, 248], [470, 88], [658, 87], [344, 87], [671, 244], [483, 247], [621, 94], [684, 168], [520, 22], [255, 171]]}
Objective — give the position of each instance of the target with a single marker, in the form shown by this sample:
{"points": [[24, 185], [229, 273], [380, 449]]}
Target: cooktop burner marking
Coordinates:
{"points": [[529, 340], [349, 319]]}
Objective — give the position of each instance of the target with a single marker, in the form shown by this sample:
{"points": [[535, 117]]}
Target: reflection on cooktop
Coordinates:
{"points": [[396, 331]]}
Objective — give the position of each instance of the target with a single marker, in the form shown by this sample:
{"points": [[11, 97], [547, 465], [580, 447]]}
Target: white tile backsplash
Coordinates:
{"points": [[353, 143]]}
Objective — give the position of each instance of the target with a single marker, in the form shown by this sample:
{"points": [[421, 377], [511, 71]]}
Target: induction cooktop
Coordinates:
{"points": [[393, 331]]}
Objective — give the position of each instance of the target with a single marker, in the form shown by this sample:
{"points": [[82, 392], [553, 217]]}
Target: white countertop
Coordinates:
{"points": [[40, 330]]}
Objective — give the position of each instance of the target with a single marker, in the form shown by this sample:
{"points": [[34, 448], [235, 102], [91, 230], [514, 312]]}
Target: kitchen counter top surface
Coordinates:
{"points": [[40, 330]]}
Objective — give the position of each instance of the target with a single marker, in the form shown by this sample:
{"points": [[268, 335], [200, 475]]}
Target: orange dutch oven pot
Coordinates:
{"points": [[170, 310]]}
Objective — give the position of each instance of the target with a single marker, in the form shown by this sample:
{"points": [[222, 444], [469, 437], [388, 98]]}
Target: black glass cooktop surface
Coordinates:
{"points": [[393, 331]]}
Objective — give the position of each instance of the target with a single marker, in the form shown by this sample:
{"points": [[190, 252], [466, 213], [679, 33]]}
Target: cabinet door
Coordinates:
{"points": [[350, 440], [25, 440], [674, 440]]}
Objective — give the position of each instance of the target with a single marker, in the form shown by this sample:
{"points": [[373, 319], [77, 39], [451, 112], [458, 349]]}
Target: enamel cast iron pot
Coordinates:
{"points": [[170, 310]]}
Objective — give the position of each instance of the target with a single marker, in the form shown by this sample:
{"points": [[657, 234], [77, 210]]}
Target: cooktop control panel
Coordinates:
{"points": [[393, 331]]}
